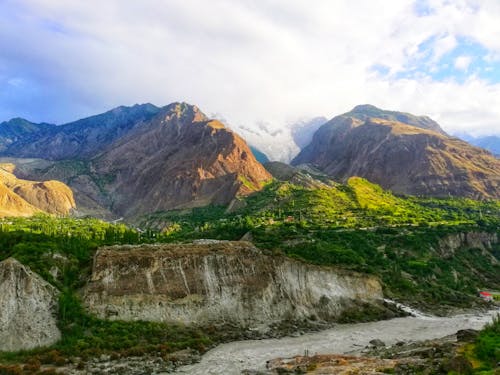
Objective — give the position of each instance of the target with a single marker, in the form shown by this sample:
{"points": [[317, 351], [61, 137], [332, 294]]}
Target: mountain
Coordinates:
{"points": [[281, 143], [490, 142], [135, 160], [81, 139], [259, 155], [18, 128], [276, 143], [179, 159], [366, 111], [404, 153], [24, 198], [303, 131]]}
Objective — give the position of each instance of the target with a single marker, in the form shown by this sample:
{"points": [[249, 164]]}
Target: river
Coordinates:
{"points": [[233, 357]]}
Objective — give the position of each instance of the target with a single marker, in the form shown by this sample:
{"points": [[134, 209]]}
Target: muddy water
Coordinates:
{"points": [[232, 358]]}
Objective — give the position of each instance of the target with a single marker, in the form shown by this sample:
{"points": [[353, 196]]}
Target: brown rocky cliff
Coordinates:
{"points": [[180, 159]]}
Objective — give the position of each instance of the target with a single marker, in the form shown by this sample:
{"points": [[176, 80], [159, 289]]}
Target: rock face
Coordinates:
{"points": [[180, 159], [29, 306], [24, 198], [136, 160], [404, 153], [473, 240], [226, 282]]}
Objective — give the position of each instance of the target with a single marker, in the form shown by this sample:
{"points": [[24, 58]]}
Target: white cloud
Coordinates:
{"points": [[462, 62], [272, 61], [444, 45]]}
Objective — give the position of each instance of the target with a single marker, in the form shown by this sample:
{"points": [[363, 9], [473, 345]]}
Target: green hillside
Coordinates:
{"points": [[361, 227], [356, 226]]}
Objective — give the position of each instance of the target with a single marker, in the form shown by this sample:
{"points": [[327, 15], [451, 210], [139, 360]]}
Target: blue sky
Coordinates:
{"points": [[253, 62], [465, 60]]}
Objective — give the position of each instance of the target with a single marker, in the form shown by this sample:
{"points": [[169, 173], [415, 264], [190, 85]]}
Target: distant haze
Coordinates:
{"points": [[255, 63]]}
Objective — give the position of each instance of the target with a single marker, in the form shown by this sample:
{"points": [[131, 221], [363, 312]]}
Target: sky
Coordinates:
{"points": [[257, 62]]}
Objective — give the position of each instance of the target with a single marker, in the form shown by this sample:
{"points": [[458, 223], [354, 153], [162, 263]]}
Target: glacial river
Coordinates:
{"points": [[232, 358]]}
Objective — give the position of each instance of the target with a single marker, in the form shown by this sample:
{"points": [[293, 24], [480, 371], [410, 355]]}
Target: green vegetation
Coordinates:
{"points": [[484, 353], [487, 346], [67, 245], [361, 227], [356, 226]]}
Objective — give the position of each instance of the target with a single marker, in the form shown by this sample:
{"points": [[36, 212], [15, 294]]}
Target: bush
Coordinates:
{"points": [[487, 346]]}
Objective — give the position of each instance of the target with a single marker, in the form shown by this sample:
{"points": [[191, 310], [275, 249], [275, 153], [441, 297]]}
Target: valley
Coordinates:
{"points": [[155, 232]]}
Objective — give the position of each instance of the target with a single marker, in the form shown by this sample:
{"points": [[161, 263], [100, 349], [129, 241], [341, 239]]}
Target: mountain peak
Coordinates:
{"points": [[134, 109], [179, 159], [16, 121], [364, 112], [184, 111], [366, 108]]}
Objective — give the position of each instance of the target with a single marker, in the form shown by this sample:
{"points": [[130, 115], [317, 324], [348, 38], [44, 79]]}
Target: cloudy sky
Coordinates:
{"points": [[253, 62]]}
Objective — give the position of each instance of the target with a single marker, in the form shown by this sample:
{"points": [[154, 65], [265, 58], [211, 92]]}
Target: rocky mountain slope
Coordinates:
{"points": [[404, 153], [24, 198], [17, 129], [179, 159], [82, 139], [221, 282], [141, 159]]}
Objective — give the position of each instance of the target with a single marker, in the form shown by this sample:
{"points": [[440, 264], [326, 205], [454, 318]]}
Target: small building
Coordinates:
{"points": [[488, 297]]}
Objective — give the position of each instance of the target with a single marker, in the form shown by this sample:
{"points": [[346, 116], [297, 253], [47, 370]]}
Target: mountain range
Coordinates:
{"points": [[133, 161], [490, 142], [404, 153]]}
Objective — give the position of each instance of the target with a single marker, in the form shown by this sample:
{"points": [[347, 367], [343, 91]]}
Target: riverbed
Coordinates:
{"points": [[234, 357]]}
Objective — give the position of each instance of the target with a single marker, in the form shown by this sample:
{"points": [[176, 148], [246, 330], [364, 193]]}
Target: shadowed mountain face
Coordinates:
{"points": [[135, 160], [81, 139], [402, 152], [490, 142], [19, 129]]}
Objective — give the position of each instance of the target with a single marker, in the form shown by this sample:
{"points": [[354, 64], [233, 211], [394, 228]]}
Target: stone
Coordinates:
{"points": [[377, 343], [467, 335]]}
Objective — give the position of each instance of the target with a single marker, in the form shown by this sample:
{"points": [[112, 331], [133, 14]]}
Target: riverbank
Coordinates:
{"points": [[235, 357]]}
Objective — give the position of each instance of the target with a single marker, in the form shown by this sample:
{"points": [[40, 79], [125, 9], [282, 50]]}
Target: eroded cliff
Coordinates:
{"points": [[28, 308], [483, 241], [224, 282]]}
